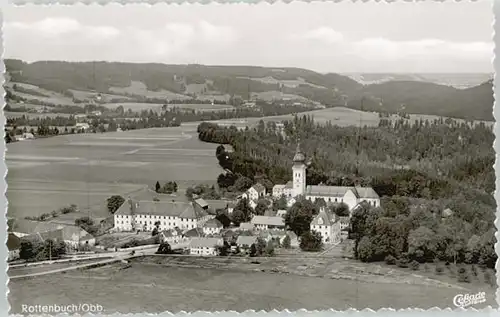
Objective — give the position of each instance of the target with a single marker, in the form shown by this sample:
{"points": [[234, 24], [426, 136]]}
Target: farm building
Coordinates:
{"points": [[245, 242], [24, 227], [14, 246], [172, 236], [212, 226], [205, 246], [265, 223], [142, 215], [74, 237]]}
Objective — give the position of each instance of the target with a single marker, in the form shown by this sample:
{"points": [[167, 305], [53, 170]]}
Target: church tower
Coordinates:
{"points": [[299, 172]]}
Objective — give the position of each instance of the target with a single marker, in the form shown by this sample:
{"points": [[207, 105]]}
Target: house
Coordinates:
{"points": [[202, 203], [14, 246], [252, 203], [74, 237], [281, 213], [24, 227], [144, 215], [245, 242], [344, 223], [230, 207], [205, 246], [290, 201], [265, 223], [447, 213], [351, 196], [256, 191], [82, 126], [326, 224], [212, 226], [246, 226], [171, 236]]}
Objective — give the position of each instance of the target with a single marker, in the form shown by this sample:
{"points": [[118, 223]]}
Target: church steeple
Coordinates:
{"points": [[299, 156]]}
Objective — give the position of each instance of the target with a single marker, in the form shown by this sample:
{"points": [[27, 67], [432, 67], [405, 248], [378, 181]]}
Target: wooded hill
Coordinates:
{"points": [[474, 103]]}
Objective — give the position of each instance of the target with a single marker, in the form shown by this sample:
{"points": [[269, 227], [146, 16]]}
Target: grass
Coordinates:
{"points": [[154, 288], [34, 115], [138, 88], [47, 174]]}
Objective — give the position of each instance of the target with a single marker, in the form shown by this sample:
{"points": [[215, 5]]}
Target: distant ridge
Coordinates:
{"points": [[411, 96]]}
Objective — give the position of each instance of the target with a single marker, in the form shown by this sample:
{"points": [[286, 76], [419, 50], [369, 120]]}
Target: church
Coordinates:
{"points": [[351, 196]]}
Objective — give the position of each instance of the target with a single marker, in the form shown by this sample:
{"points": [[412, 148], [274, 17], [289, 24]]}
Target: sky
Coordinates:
{"points": [[346, 37]]}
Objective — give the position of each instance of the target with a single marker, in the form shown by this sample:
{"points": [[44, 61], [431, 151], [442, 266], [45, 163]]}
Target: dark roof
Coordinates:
{"points": [[162, 208], [213, 223], [323, 218], [299, 156], [328, 191], [246, 240], [259, 187], [68, 233], [30, 226], [13, 242], [365, 192], [195, 232]]}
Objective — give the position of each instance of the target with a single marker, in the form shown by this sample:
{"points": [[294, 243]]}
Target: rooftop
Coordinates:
{"points": [[205, 242], [30, 226], [246, 240], [161, 208], [270, 221], [259, 187], [213, 223]]}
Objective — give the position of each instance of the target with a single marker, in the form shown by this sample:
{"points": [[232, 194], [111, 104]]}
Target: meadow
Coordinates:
{"points": [[155, 288], [51, 173]]}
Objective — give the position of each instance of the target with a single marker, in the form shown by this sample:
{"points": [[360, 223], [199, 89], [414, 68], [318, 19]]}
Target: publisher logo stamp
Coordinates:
{"points": [[466, 300]]}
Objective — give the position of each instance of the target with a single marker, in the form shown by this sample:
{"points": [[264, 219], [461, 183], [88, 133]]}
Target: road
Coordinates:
{"points": [[51, 267]]}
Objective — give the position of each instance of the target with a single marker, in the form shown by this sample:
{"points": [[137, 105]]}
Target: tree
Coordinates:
{"points": [[157, 186], [286, 242], [253, 250], [242, 211], [341, 210], [280, 204], [311, 241], [222, 216], [300, 215], [28, 249], [243, 183], [156, 229], [269, 248], [424, 240], [114, 202], [262, 205], [164, 248], [87, 224]]}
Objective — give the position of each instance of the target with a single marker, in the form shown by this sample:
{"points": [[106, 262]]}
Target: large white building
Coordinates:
{"points": [[328, 226], [142, 215], [351, 196]]}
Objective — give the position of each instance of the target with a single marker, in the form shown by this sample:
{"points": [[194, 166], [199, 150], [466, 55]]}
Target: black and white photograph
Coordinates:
{"points": [[233, 157]]}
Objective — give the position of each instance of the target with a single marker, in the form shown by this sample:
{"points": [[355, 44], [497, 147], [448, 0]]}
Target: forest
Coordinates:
{"points": [[419, 168]]}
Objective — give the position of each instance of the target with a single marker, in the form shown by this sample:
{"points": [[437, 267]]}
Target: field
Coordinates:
{"points": [[139, 89], [156, 288], [138, 106], [34, 115], [39, 94], [47, 174]]}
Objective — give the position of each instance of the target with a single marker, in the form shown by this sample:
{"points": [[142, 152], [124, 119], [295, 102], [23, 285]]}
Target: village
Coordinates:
{"points": [[202, 227]]}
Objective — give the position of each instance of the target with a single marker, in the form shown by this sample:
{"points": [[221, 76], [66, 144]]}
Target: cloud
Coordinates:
{"points": [[424, 49], [216, 34], [57, 27], [325, 35]]}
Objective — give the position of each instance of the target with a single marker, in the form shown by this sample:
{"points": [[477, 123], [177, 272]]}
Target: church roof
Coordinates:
{"points": [[365, 192], [326, 191]]}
